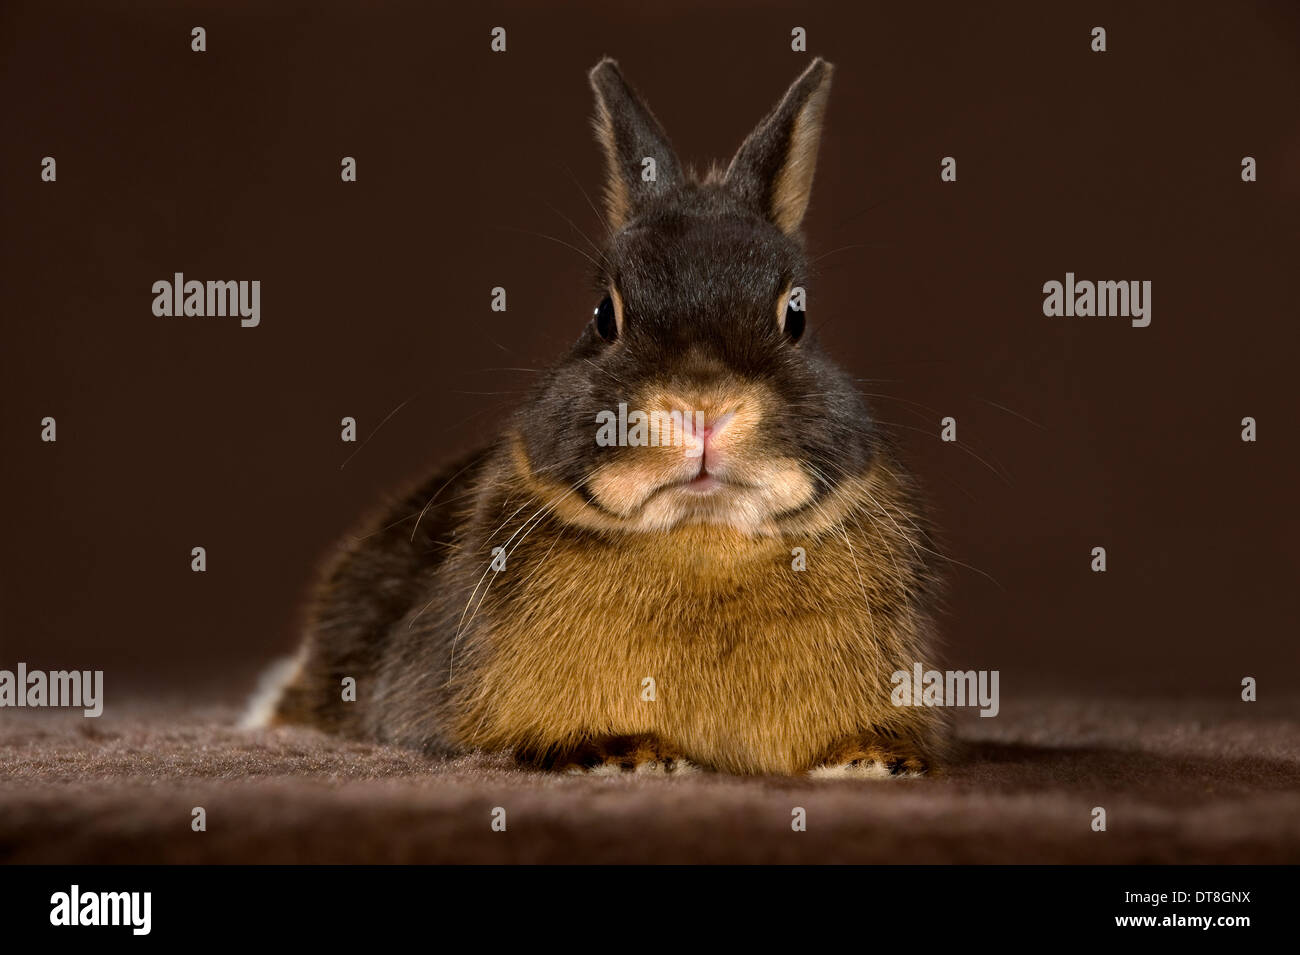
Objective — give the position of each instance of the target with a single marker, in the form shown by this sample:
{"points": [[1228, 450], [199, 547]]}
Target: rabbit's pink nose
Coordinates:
{"points": [[703, 432]]}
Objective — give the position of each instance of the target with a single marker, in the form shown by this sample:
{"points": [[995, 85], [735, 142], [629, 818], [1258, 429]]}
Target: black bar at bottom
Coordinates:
{"points": [[333, 904]]}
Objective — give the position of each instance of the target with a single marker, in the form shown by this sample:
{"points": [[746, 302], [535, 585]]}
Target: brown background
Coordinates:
{"points": [[176, 432]]}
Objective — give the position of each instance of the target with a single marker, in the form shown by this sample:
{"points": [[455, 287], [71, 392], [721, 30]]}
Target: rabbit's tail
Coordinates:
{"points": [[266, 701]]}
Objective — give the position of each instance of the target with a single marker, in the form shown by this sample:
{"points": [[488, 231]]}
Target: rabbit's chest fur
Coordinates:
{"points": [[704, 637]]}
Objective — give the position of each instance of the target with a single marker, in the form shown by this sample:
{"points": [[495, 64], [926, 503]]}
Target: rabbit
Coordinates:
{"points": [[629, 606]]}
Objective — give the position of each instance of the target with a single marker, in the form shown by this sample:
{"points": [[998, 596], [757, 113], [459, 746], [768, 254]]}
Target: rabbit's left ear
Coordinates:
{"points": [[631, 137], [774, 166]]}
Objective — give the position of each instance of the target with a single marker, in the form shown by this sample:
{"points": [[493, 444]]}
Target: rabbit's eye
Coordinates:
{"points": [[606, 320], [794, 323]]}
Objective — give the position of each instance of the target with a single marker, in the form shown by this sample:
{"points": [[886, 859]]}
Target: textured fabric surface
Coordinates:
{"points": [[1181, 781]]}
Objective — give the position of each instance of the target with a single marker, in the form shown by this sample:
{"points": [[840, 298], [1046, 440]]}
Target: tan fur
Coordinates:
{"points": [[617, 299], [782, 302], [793, 187], [758, 668], [618, 204], [792, 179], [631, 485]]}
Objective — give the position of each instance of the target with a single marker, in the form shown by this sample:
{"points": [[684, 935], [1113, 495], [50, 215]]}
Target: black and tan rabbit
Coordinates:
{"points": [[737, 599]]}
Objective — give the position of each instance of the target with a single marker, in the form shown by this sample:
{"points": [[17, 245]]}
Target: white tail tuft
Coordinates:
{"points": [[261, 705]]}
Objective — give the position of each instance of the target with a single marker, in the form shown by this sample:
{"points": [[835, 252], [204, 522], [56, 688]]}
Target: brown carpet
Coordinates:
{"points": [[1181, 781]]}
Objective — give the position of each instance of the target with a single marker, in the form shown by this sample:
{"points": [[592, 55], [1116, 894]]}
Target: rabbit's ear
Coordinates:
{"points": [[629, 134], [774, 166]]}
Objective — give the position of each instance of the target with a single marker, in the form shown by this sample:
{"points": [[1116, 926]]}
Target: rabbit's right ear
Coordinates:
{"points": [[629, 134], [774, 167]]}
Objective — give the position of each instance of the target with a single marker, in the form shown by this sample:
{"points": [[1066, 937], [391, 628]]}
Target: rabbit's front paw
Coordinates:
{"points": [[872, 757], [643, 754]]}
